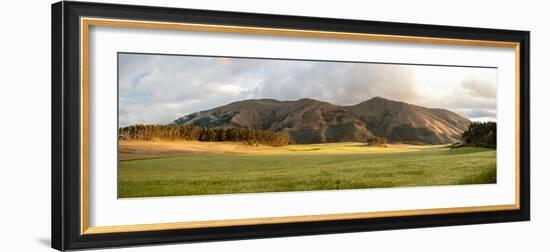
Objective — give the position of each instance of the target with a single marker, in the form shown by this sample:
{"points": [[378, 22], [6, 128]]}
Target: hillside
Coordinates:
{"points": [[311, 121], [402, 122]]}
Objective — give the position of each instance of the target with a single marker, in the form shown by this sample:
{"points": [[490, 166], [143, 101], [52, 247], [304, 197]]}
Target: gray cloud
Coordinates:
{"points": [[339, 83], [483, 88], [160, 88]]}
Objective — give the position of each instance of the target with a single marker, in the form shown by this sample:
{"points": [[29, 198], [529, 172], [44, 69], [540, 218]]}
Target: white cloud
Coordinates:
{"points": [[161, 88], [482, 88]]}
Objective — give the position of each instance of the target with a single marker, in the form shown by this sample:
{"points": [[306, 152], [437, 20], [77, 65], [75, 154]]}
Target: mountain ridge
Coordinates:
{"points": [[312, 121]]}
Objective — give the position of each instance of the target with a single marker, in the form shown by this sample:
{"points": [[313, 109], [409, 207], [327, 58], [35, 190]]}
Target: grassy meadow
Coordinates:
{"points": [[149, 168]]}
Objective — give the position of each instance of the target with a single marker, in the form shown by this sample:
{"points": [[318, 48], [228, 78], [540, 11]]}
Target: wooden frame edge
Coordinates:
{"points": [[291, 32], [86, 22], [289, 219], [57, 195]]}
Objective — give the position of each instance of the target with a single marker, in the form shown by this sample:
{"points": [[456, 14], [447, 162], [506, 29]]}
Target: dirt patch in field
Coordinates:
{"points": [[134, 149], [129, 150]]}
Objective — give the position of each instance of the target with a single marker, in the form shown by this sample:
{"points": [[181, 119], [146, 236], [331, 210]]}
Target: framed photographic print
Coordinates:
{"points": [[181, 125]]}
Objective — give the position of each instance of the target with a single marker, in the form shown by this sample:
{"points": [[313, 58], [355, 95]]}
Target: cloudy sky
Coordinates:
{"points": [[162, 88]]}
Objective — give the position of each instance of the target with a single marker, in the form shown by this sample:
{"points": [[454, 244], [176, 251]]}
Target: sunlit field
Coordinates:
{"points": [[155, 168]]}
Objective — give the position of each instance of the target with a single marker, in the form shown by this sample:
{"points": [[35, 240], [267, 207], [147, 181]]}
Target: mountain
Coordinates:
{"points": [[312, 121], [402, 122], [305, 120]]}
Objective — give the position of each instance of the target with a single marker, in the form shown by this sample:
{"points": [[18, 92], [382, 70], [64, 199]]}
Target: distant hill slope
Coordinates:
{"points": [[402, 122], [312, 121]]}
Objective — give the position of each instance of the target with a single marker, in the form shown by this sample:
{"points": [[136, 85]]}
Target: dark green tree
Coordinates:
{"points": [[481, 134]]}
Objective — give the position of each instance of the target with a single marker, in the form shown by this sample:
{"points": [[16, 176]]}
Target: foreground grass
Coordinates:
{"points": [[304, 170]]}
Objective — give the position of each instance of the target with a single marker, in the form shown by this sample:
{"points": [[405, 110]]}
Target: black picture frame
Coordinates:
{"points": [[66, 141]]}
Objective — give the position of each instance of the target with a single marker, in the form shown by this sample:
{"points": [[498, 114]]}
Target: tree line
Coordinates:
{"points": [[481, 134], [204, 134]]}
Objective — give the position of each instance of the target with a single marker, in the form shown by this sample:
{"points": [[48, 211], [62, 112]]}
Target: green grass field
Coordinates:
{"points": [[318, 167]]}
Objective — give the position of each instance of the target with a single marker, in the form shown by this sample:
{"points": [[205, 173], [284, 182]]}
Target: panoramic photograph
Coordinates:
{"points": [[201, 125]]}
